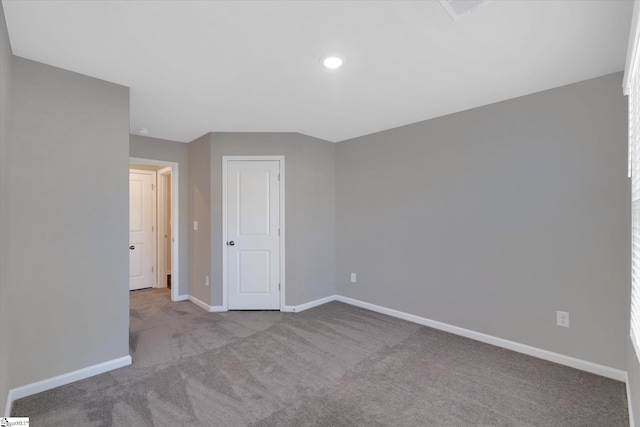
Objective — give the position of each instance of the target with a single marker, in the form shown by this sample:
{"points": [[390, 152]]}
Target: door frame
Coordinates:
{"points": [[162, 225], [175, 220], [225, 162]]}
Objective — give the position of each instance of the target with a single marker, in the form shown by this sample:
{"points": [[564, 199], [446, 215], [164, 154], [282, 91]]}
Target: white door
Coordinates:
{"points": [[141, 228], [253, 228]]}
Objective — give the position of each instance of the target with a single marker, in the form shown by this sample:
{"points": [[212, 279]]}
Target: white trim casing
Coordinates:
{"points": [[181, 298], [203, 305], [632, 48], [225, 160], [561, 359], [175, 219], [60, 380]]}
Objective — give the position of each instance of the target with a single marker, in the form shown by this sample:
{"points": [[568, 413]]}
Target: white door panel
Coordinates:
{"points": [[141, 232], [253, 222], [253, 272]]}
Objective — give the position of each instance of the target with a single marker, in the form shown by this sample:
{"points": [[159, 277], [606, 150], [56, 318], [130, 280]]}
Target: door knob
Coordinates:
{"points": [[231, 243], [132, 247]]}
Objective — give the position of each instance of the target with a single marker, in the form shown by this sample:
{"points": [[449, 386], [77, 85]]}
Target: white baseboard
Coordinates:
{"points": [[573, 362], [60, 380], [205, 306], [308, 305], [632, 422], [181, 298]]}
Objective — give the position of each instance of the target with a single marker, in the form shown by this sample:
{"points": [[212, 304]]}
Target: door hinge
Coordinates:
{"points": [[278, 231], [278, 286], [152, 228], [152, 269], [278, 177], [153, 187]]}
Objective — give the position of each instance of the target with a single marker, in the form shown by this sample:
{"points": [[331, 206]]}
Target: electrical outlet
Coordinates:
{"points": [[562, 318], [353, 277], [195, 225], [206, 280]]}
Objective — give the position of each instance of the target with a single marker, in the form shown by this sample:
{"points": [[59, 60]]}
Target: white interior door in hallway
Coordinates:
{"points": [[142, 212], [253, 241]]}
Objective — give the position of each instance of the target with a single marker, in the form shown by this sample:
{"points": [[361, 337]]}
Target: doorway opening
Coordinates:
{"points": [[153, 226]]}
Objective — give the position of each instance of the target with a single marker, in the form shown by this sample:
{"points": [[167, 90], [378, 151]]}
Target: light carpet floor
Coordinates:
{"points": [[333, 365]]}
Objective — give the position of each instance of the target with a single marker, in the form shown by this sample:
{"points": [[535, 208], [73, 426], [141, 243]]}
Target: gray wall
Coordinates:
{"points": [[309, 209], [5, 78], [494, 218], [171, 151], [200, 210], [68, 284]]}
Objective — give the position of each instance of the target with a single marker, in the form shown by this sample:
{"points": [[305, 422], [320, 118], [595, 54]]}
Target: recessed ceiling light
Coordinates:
{"points": [[331, 61], [143, 131]]}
